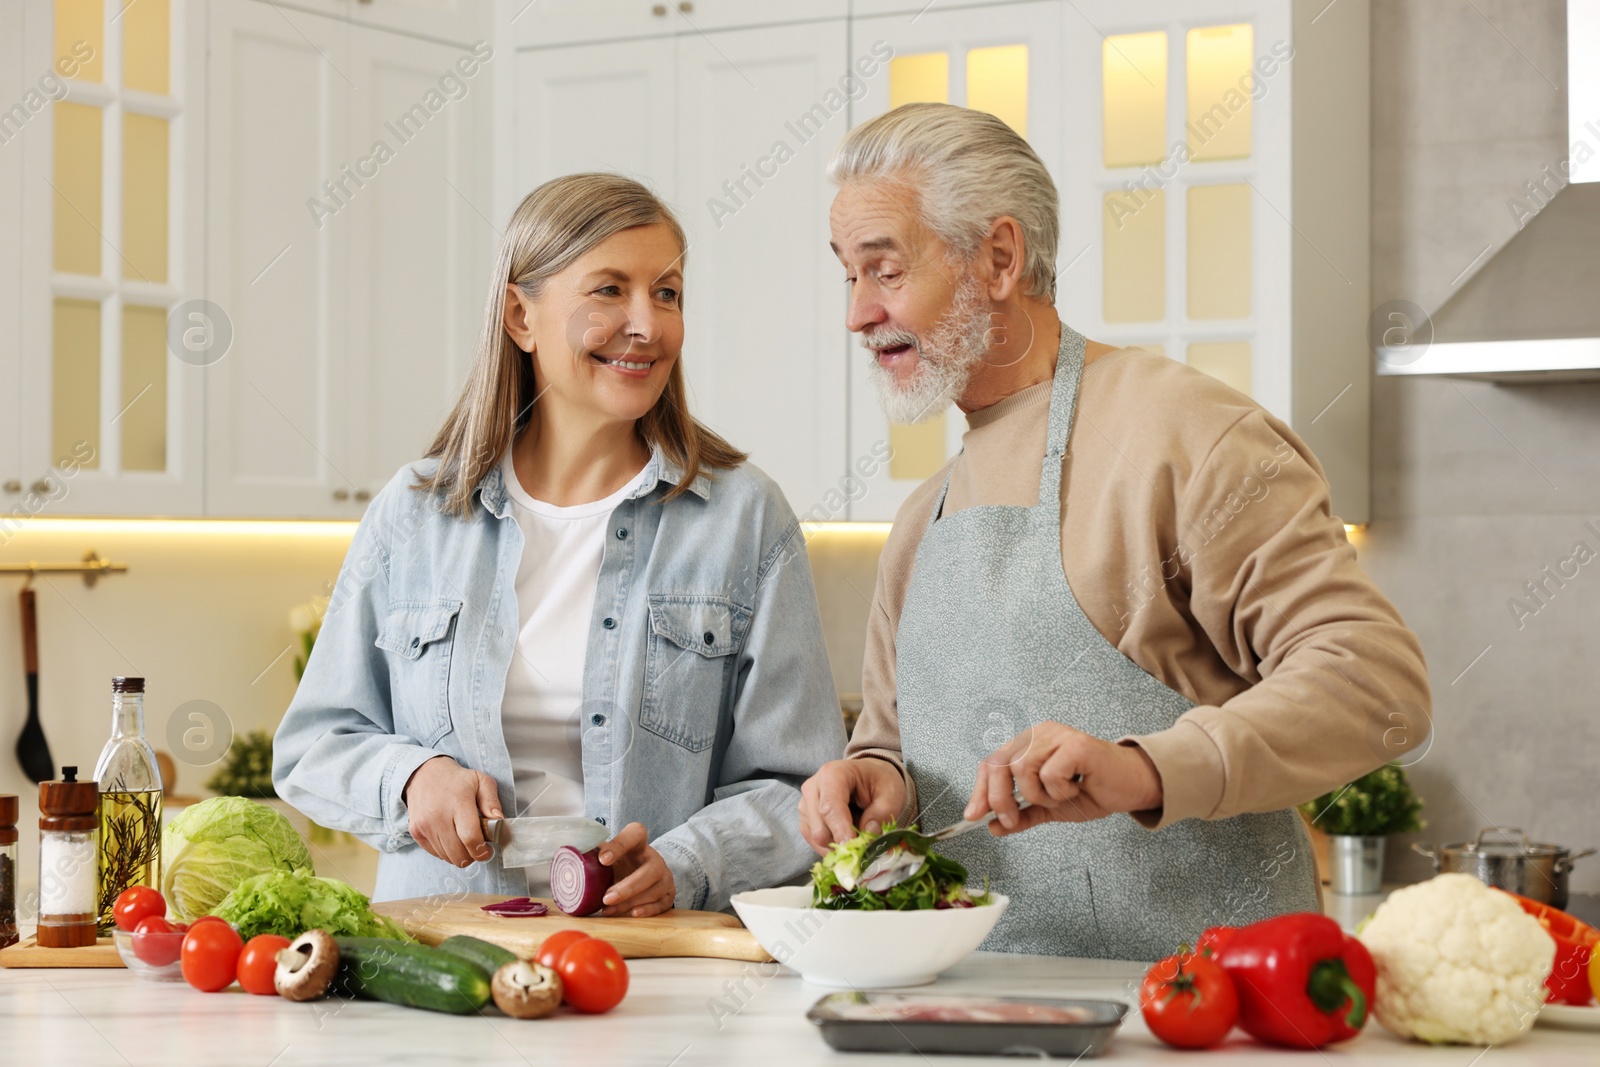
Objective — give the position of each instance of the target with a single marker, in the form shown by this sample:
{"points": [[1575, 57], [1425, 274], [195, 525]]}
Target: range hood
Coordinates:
{"points": [[1532, 312]]}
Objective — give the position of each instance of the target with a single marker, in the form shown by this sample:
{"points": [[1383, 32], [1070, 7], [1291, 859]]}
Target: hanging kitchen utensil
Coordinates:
{"points": [[33, 751]]}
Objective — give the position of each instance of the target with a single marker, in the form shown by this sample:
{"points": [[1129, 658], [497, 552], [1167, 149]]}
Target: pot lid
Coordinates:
{"points": [[1509, 842]]}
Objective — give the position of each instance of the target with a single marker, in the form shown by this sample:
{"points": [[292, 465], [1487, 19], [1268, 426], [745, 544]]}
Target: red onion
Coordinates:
{"points": [[578, 881], [517, 907]]}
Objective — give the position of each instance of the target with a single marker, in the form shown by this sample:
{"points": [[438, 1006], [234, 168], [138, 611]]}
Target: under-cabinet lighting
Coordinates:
{"points": [[192, 527]]}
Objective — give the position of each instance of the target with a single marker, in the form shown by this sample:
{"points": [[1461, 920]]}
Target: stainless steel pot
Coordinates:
{"points": [[1533, 869]]}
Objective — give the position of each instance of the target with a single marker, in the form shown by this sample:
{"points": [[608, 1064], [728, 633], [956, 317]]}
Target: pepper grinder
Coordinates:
{"points": [[8, 869], [68, 855]]}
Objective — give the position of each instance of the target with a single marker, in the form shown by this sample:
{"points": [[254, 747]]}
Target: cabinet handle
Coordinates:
{"points": [[659, 11], [686, 7], [363, 496], [341, 494], [13, 486], [41, 486]]}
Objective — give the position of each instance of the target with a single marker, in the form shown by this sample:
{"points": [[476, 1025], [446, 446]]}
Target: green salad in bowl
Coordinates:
{"points": [[838, 883]]}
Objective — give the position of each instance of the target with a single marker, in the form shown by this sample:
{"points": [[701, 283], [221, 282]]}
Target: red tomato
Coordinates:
{"points": [[259, 962], [1189, 1001], [593, 977], [137, 902], [154, 941], [210, 956], [208, 919], [551, 948]]}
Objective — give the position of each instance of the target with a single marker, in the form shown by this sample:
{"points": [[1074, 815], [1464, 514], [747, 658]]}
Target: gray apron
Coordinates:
{"points": [[991, 641]]}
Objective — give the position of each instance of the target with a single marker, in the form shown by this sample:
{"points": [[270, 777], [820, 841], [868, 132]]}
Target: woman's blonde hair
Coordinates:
{"points": [[553, 226]]}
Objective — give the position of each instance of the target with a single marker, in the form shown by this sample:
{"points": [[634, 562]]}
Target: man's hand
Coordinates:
{"points": [[644, 883], [444, 802], [871, 784], [1067, 775]]}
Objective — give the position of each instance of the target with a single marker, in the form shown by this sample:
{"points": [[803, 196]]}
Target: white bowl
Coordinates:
{"points": [[863, 949]]}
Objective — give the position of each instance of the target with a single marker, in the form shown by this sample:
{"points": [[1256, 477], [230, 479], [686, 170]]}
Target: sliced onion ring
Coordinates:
{"points": [[578, 880], [517, 907]]}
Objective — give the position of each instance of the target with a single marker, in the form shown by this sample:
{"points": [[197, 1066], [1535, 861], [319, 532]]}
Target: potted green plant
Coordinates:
{"points": [[1357, 819]]}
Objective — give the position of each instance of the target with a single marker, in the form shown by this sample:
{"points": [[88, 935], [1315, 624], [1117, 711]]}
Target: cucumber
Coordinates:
{"points": [[490, 957], [415, 976]]}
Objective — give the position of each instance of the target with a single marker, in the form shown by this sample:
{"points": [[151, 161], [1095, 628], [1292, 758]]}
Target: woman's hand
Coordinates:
{"points": [[445, 801], [644, 883], [1067, 775]]}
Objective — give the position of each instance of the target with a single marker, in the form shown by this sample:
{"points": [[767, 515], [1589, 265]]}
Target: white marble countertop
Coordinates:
{"points": [[68, 1017]]}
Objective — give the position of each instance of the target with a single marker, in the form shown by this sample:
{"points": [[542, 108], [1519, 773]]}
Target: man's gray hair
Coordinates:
{"points": [[967, 168]]}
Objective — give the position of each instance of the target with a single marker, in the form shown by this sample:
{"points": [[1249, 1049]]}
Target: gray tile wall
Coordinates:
{"points": [[1478, 487]]}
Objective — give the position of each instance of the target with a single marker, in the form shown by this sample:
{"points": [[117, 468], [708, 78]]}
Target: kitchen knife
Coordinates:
{"points": [[532, 840]]}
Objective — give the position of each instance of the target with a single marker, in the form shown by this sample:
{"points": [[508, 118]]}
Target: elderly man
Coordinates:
{"points": [[1126, 599]]}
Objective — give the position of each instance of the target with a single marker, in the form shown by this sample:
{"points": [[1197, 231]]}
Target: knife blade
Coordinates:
{"points": [[532, 840]]}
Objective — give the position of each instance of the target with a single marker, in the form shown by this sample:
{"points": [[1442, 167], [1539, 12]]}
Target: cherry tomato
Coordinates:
{"points": [[154, 941], [1189, 1001], [259, 962], [211, 956], [551, 948], [208, 919], [593, 977], [137, 902]]}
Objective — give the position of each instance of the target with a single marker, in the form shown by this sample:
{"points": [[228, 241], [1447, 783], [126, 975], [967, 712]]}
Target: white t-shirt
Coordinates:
{"points": [[555, 584]]}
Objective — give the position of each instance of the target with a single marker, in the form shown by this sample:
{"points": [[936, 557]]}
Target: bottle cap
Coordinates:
{"points": [[8, 818], [68, 800], [125, 684]]}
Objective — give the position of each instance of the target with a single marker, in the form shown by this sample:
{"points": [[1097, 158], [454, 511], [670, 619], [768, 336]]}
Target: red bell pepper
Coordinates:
{"points": [[1212, 938], [1301, 982], [1575, 942]]}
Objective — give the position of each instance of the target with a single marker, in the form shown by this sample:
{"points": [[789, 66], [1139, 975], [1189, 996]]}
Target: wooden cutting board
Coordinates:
{"points": [[28, 953], [676, 933]]}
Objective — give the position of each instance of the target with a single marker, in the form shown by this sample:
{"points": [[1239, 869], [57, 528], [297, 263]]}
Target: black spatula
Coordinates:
{"points": [[33, 751]]}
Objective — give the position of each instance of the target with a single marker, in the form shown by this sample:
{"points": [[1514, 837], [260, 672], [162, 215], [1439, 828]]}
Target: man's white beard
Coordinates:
{"points": [[946, 359]]}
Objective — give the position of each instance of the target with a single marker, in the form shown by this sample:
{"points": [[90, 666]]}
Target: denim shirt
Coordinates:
{"points": [[707, 697]]}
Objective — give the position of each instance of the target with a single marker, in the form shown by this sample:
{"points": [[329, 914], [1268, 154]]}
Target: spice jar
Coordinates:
{"points": [[8, 869], [68, 851]]}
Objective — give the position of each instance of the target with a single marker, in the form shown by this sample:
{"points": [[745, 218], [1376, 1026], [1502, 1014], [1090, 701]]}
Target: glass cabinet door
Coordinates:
{"points": [[122, 420], [1182, 201]]}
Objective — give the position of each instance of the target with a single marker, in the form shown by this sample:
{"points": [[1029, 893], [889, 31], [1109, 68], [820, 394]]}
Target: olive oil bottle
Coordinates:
{"points": [[130, 802]]}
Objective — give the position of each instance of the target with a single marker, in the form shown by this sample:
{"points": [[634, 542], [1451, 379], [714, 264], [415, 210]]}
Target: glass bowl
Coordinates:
{"points": [[152, 957]]}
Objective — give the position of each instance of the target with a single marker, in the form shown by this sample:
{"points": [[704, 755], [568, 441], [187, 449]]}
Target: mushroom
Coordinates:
{"points": [[306, 968], [526, 990]]}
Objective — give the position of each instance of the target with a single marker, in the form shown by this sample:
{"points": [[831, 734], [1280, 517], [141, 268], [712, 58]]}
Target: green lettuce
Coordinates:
{"points": [[210, 847], [940, 882], [288, 903]]}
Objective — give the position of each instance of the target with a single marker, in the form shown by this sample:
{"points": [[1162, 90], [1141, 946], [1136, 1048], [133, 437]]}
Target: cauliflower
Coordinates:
{"points": [[1457, 961]]}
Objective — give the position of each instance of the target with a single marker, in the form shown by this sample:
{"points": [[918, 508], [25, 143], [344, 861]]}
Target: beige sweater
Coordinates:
{"points": [[1197, 536]]}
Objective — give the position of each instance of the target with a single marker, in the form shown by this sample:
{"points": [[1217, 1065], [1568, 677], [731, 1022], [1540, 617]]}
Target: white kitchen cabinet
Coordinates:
{"points": [[605, 107], [1005, 58], [543, 23], [277, 270], [349, 233], [698, 117], [759, 113], [420, 241], [452, 21]]}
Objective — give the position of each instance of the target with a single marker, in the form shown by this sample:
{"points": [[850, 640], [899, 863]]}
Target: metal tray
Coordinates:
{"points": [[965, 1023]]}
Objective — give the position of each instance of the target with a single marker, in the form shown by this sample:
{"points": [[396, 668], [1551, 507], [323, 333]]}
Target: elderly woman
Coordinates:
{"points": [[582, 602]]}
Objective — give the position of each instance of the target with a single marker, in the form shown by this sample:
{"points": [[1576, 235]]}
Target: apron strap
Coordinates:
{"points": [[1063, 406]]}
